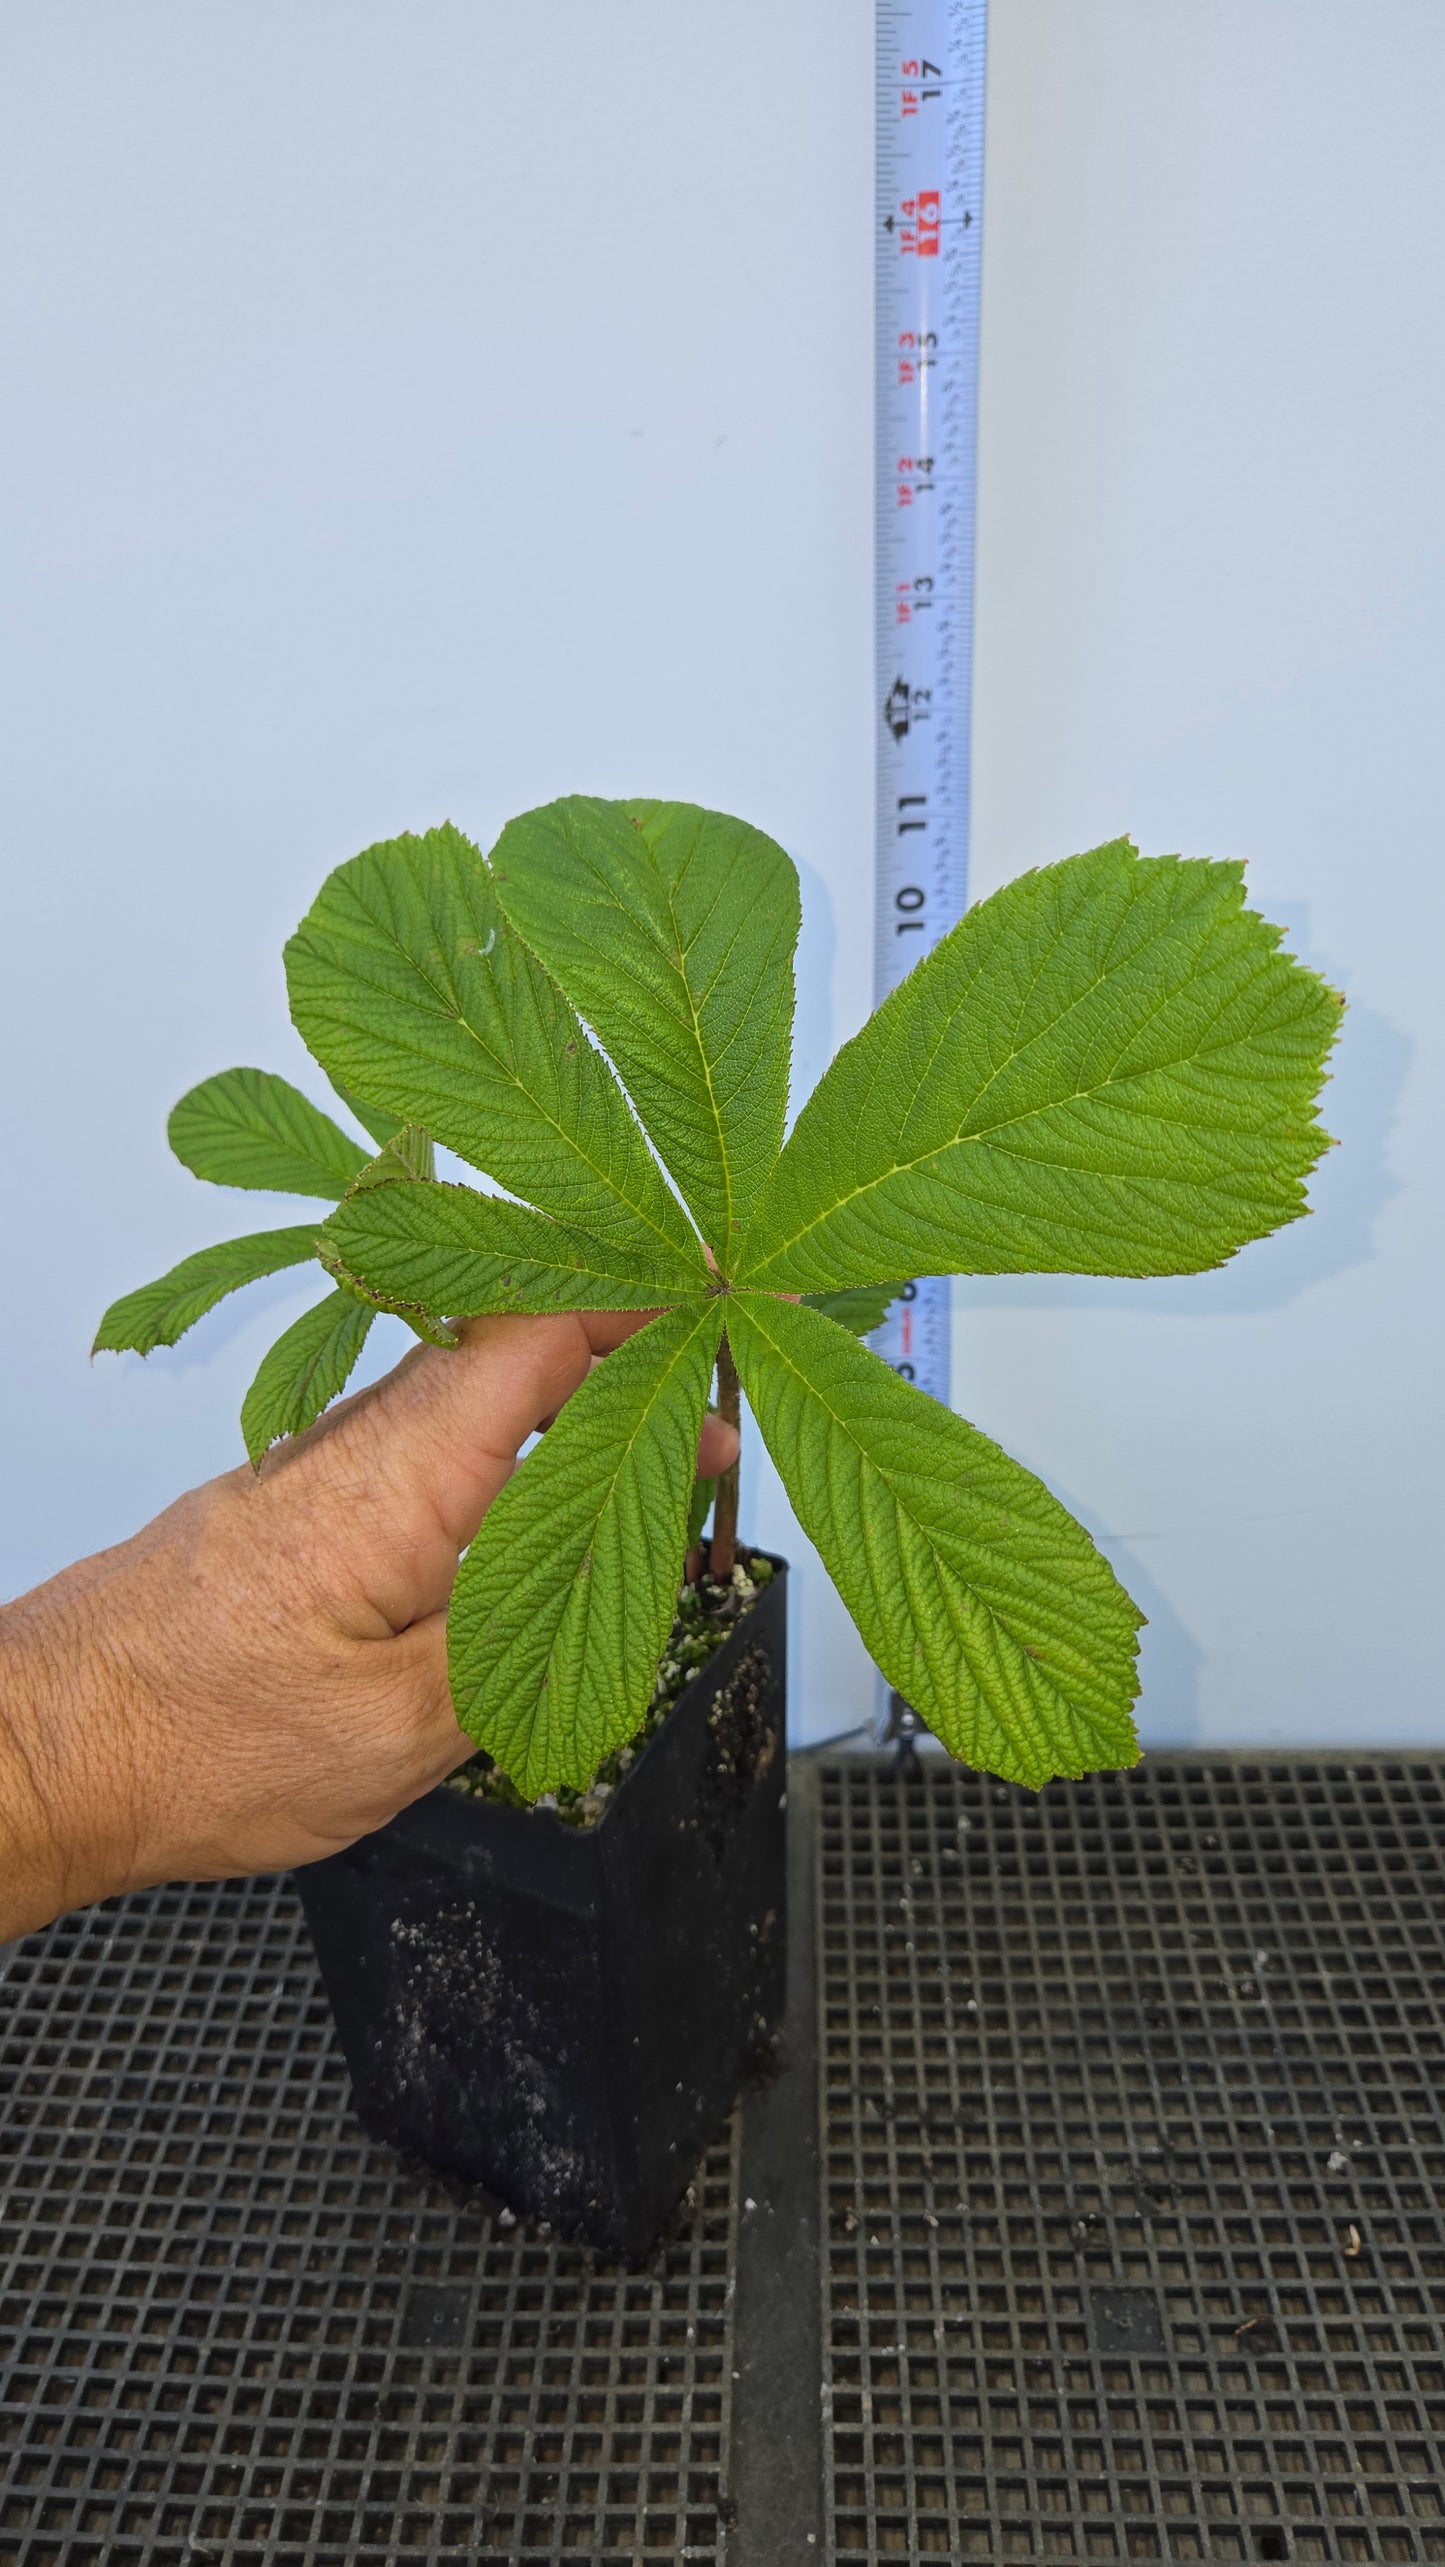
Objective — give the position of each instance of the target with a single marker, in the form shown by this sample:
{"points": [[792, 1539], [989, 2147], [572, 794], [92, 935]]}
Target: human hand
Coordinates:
{"points": [[259, 1676]]}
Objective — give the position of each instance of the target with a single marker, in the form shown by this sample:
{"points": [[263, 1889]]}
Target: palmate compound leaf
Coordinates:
{"points": [[977, 1595], [413, 992], [564, 1602], [671, 929], [250, 1128], [159, 1313], [445, 1251], [1106, 1068], [309, 1365]]}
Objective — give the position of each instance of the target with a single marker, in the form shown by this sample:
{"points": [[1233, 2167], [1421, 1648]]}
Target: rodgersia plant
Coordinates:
{"points": [[1108, 1068]]}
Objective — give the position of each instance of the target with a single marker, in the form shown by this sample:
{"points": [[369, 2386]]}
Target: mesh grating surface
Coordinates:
{"points": [[232, 2329], [1134, 2112]]}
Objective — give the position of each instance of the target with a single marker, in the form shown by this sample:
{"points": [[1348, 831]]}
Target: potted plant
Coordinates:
{"points": [[551, 1973]]}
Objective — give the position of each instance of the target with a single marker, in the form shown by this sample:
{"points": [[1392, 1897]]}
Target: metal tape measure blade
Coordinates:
{"points": [[931, 58]]}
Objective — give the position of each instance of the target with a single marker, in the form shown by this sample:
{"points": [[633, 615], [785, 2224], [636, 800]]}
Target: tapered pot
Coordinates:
{"points": [[566, 2014]]}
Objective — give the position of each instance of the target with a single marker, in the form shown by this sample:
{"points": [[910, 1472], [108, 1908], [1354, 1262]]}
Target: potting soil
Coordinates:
{"points": [[706, 1613]]}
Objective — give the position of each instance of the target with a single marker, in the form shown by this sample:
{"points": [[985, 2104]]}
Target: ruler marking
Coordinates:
{"points": [[929, 203]]}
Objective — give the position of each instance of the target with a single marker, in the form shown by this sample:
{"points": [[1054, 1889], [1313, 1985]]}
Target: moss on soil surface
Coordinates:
{"points": [[706, 1613]]}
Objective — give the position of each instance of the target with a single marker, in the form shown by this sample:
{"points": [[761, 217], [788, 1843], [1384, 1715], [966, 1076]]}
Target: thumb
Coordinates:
{"points": [[382, 1496]]}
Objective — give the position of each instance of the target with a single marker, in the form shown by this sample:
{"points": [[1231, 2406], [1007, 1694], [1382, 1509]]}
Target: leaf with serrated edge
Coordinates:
{"points": [[160, 1312], [859, 1309], [305, 1370], [412, 990], [250, 1128], [1107, 1068], [451, 1252], [671, 929], [564, 1602], [408, 1158], [978, 1596]]}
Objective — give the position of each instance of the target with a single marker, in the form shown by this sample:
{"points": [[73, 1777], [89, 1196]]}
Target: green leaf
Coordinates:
{"points": [[862, 1308], [304, 1371], [374, 1119], [250, 1128], [981, 1600], [448, 1251], [671, 930], [564, 1602], [1109, 1068], [408, 1158], [703, 1493], [160, 1312], [412, 991]]}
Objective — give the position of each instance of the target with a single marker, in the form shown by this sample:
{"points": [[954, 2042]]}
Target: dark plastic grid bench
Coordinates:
{"points": [[1129, 2193]]}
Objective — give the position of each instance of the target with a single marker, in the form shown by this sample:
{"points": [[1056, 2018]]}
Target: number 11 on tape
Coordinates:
{"points": [[929, 235], [930, 181]]}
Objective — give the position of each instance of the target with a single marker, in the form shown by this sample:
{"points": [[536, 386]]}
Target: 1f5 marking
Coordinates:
{"points": [[910, 100]]}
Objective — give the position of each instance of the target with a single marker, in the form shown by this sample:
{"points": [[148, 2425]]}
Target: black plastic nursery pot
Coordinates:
{"points": [[566, 2014]]}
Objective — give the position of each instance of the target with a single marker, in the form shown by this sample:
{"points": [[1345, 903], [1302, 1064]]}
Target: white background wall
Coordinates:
{"points": [[423, 409]]}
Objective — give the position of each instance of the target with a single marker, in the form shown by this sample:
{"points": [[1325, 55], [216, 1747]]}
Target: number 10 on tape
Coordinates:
{"points": [[930, 182], [929, 236]]}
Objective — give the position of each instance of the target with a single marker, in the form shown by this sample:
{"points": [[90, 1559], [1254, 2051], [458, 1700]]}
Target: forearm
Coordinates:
{"points": [[55, 1829], [26, 1846]]}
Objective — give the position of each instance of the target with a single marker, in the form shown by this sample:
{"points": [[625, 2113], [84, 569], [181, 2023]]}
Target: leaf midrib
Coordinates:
{"points": [[1048, 954], [606, 1264], [624, 1451], [811, 1387], [677, 964], [990, 1132], [453, 1013], [723, 1244], [339, 1320]]}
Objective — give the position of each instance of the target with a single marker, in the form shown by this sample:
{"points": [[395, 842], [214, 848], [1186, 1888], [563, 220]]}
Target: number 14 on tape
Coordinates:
{"points": [[929, 203], [929, 237]]}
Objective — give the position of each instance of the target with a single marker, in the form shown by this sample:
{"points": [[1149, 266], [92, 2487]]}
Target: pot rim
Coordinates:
{"points": [[566, 1827]]}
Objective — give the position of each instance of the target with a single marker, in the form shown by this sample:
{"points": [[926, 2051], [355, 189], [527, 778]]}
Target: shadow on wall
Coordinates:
{"points": [[1171, 1662]]}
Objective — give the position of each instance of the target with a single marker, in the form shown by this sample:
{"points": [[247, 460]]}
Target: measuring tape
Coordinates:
{"points": [[930, 192], [930, 184]]}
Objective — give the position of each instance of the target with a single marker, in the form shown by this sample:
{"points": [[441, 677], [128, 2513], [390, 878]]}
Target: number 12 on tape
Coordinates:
{"points": [[930, 184], [929, 236]]}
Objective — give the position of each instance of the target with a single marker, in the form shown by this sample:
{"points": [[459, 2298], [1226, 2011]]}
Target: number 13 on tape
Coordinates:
{"points": [[929, 237], [930, 185]]}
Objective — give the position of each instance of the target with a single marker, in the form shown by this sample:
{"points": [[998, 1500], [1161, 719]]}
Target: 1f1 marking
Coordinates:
{"points": [[930, 179]]}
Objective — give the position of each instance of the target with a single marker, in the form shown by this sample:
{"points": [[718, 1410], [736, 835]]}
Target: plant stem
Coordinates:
{"points": [[724, 1545]]}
